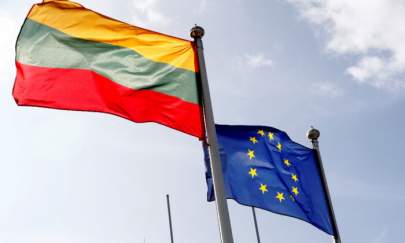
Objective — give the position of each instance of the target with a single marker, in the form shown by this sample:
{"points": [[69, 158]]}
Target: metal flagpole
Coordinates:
{"points": [[170, 218], [256, 227], [225, 229], [313, 134]]}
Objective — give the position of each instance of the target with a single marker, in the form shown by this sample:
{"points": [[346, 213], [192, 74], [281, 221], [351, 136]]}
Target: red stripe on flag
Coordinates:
{"points": [[85, 90]]}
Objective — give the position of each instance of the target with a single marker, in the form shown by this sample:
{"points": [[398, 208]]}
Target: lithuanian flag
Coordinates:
{"points": [[69, 57]]}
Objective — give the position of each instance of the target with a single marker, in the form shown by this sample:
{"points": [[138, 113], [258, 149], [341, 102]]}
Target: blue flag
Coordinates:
{"points": [[264, 168]]}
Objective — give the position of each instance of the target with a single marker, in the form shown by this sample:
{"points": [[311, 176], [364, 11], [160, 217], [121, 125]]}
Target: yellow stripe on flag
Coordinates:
{"points": [[77, 21]]}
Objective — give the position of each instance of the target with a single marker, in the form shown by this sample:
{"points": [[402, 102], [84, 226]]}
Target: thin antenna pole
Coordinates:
{"points": [[313, 134], [256, 227], [170, 218], [225, 229]]}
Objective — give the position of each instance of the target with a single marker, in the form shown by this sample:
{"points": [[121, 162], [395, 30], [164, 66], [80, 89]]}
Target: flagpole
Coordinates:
{"points": [[256, 227], [170, 218], [225, 229], [313, 134]]}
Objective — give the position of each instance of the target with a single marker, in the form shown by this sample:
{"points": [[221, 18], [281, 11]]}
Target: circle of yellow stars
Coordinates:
{"points": [[253, 172]]}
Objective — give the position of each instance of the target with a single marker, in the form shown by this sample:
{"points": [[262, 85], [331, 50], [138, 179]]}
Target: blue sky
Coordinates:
{"points": [[338, 65]]}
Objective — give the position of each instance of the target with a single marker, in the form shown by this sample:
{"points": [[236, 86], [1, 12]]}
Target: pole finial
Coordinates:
{"points": [[313, 134], [197, 32]]}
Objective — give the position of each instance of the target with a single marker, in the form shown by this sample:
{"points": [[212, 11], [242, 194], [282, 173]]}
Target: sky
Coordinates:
{"points": [[338, 65]]}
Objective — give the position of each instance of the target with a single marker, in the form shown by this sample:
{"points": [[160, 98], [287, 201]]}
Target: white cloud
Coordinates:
{"points": [[257, 60], [327, 89], [147, 14], [372, 30], [378, 72], [366, 68]]}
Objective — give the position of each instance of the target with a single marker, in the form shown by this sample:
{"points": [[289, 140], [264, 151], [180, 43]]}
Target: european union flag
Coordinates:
{"points": [[264, 168]]}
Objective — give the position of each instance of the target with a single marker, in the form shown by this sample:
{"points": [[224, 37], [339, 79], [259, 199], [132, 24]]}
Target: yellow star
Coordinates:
{"points": [[260, 132], [263, 188], [280, 196], [251, 154], [271, 135], [279, 146], [295, 190], [287, 163], [252, 172], [253, 140], [294, 177]]}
